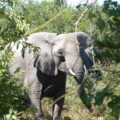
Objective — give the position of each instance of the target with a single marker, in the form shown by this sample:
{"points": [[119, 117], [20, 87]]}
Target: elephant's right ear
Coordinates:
{"points": [[62, 67], [44, 62]]}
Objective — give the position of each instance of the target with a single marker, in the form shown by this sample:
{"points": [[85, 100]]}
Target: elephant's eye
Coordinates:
{"points": [[60, 51]]}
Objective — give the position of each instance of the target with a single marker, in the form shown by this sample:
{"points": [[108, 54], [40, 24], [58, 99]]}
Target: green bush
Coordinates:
{"points": [[11, 95]]}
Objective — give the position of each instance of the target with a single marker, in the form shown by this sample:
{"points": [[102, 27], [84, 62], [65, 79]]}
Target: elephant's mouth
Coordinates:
{"points": [[62, 67]]}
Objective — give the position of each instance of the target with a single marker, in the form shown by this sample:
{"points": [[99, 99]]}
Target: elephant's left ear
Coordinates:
{"points": [[44, 62]]}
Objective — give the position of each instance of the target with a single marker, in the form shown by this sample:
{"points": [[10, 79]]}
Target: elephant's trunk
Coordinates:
{"points": [[79, 70]]}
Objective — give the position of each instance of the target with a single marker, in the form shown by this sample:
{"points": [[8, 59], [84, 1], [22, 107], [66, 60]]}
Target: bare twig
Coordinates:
{"points": [[107, 70], [83, 14]]}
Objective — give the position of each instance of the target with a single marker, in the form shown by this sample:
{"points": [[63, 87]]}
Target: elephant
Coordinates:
{"points": [[45, 69]]}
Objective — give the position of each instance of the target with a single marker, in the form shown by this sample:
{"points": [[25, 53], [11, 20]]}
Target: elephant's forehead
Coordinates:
{"points": [[58, 38]]}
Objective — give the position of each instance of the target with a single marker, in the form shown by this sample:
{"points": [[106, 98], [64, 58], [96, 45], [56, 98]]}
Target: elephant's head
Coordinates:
{"points": [[76, 51], [71, 49]]}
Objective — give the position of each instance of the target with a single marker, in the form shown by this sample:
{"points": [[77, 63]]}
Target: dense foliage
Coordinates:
{"points": [[19, 19]]}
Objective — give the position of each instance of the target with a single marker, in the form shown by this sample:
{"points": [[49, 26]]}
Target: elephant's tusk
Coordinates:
{"points": [[72, 73]]}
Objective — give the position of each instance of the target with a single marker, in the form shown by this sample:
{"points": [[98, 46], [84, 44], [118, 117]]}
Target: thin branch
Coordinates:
{"points": [[45, 24], [107, 70], [83, 14]]}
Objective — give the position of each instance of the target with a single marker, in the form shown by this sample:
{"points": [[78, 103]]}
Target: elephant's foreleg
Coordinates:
{"points": [[57, 108], [34, 89], [37, 104]]}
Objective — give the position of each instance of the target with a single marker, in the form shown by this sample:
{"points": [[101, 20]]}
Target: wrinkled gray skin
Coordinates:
{"points": [[46, 69]]}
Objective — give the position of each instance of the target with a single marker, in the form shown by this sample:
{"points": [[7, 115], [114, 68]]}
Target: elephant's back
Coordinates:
{"points": [[37, 39]]}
